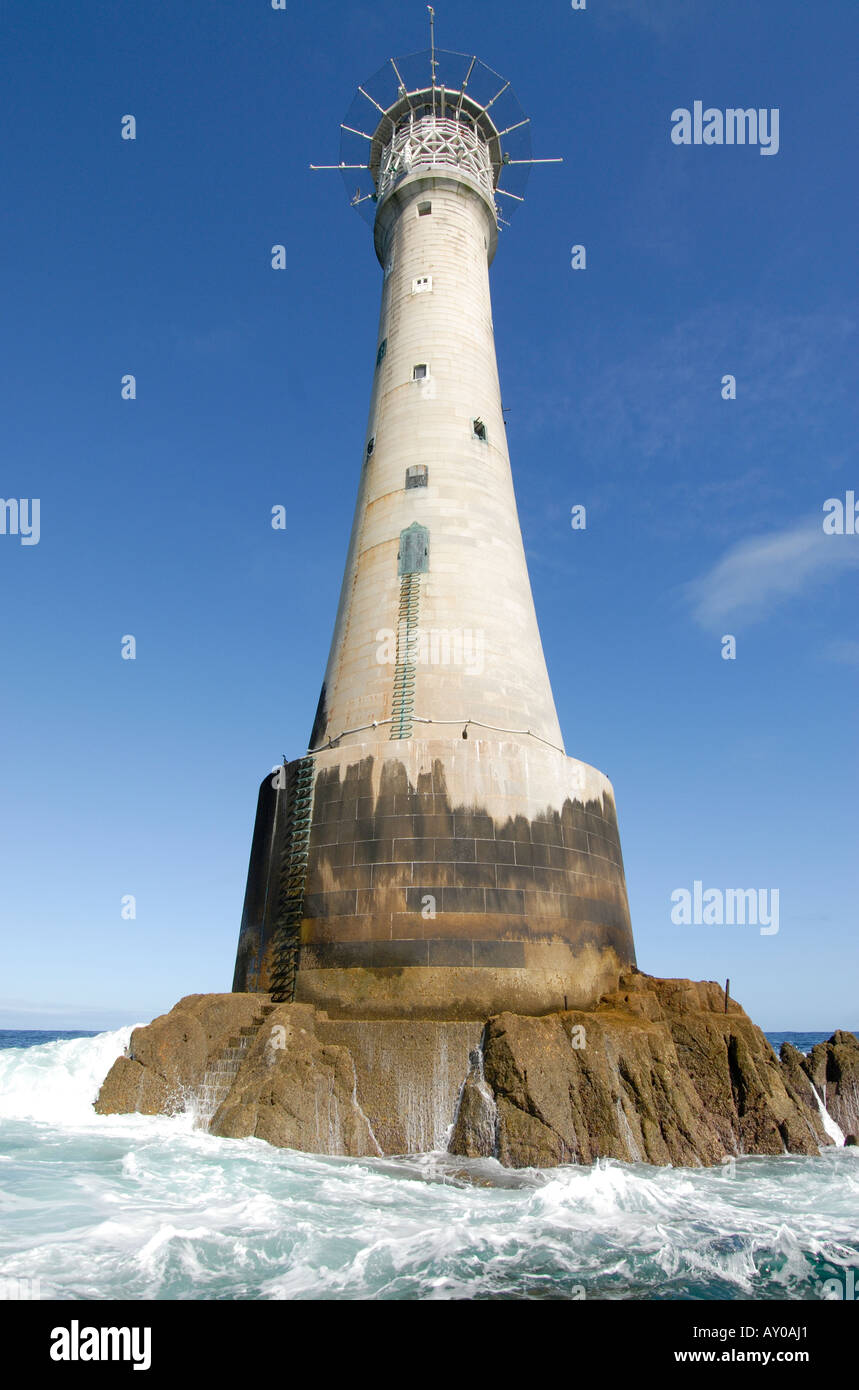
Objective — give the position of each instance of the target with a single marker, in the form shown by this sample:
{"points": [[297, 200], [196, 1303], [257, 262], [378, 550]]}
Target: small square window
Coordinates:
{"points": [[416, 476], [422, 284], [419, 372], [383, 348], [424, 209], [479, 429], [371, 444]]}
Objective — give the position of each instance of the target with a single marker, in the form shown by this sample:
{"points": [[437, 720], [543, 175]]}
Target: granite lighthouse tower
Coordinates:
{"points": [[435, 853]]}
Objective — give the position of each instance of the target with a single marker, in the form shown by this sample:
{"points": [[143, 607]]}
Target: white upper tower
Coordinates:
{"points": [[436, 626]]}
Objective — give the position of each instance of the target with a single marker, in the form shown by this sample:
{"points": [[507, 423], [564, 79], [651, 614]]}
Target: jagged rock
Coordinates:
{"points": [[795, 1075], [833, 1066], [664, 1075], [475, 1125], [129, 1087], [659, 1072], [168, 1058], [798, 1085], [296, 1091], [305, 1081]]}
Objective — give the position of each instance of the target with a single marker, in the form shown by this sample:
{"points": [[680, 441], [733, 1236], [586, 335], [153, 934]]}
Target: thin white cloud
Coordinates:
{"points": [[661, 17], [846, 652], [757, 575]]}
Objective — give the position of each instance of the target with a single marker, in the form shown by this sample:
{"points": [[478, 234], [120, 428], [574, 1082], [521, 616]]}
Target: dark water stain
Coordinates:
{"points": [[377, 861]]}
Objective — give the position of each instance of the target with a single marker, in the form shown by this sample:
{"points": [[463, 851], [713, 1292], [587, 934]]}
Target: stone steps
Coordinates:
{"points": [[223, 1069]]}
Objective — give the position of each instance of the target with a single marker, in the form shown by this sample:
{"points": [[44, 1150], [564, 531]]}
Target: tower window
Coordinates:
{"points": [[419, 372], [371, 444], [424, 209], [383, 348], [479, 429], [422, 284], [416, 475]]}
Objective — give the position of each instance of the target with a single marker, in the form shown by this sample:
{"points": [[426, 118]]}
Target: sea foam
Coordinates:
{"points": [[148, 1207]]}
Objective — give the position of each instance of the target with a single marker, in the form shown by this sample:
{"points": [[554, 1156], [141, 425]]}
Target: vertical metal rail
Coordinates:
{"points": [[293, 876], [404, 673]]}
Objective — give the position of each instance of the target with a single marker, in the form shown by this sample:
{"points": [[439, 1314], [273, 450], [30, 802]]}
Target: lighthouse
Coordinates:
{"points": [[434, 853]]}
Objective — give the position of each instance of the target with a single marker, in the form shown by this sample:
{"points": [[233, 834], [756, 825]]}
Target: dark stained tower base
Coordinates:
{"points": [[433, 880]]}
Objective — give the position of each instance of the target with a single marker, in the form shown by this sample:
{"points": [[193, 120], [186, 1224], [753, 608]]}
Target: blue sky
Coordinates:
{"points": [[704, 516]]}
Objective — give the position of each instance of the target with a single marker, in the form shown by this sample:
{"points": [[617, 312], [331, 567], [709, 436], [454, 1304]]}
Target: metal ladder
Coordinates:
{"points": [[404, 674], [293, 876]]}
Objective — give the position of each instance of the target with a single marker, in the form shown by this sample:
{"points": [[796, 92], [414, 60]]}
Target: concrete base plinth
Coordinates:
{"points": [[462, 992], [408, 1076]]}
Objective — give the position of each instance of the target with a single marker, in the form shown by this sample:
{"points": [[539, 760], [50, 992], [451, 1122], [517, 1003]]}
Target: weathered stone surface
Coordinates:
{"points": [[409, 1074], [348, 1087], [130, 1086], [168, 1058], [296, 1091], [795, 1075], [658, 1072], [833, 1067], [476, 1126], [665, 1075], [305, 1081], [516, 848]]}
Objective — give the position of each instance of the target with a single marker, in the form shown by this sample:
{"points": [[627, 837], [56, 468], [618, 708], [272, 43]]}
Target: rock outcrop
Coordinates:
{"points": [[167, 1060], [832, 1067], [295, 1077], [296, 1091], [659, 1072]]}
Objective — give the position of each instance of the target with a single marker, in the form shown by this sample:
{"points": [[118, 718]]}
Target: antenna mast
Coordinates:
{"points": [[433, 63]]}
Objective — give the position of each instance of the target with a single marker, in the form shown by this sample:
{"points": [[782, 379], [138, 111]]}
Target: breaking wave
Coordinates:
{"points": [[137, 1207], [57, 1081]]}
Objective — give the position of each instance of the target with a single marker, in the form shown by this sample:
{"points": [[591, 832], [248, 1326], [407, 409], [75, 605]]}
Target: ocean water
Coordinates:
{"points": [[803, 1042], [105, 1207]]}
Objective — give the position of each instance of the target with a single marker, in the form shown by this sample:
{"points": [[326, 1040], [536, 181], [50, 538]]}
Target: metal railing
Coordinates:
{"points": [[430, 141]]}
